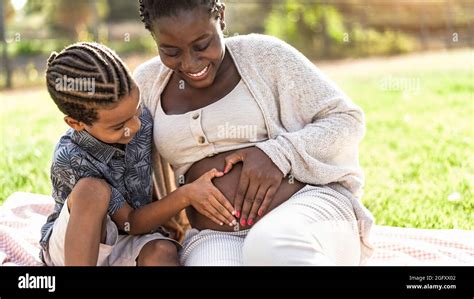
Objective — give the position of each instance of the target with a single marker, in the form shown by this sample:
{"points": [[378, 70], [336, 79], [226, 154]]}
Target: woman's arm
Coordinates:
{"points": [[322, 126], [314, 128], [325, 150]]}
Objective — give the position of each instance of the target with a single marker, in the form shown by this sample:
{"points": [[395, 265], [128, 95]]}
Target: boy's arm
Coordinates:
{"points": [[68, 168], [154, 195], [201, 194], [151, 216]]}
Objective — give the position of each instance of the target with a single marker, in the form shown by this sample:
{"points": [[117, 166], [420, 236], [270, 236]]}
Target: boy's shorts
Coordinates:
{"points": [[118, 250]]}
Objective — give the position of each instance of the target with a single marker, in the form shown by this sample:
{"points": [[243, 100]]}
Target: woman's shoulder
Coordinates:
{"points": [[261, 48], [149, 76], [254, 42], [254, 39], [149, 69]]}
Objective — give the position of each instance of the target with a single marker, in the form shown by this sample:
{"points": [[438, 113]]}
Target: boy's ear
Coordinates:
{"points": [[75, 124]]}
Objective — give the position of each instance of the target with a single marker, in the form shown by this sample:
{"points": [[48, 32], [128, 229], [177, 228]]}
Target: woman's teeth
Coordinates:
{"points": [[197, 75]]}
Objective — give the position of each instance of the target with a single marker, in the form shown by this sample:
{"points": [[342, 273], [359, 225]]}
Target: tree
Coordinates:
{"points": [[6, 13], [122, 10], [71, 18], [308, 26], [34, 6]]}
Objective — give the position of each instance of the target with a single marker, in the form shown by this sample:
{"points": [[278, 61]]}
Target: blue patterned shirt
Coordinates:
{"points": [[80, 155]]}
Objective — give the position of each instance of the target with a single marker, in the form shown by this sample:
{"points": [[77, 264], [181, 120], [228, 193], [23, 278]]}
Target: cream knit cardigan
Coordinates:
{"points": [[314, 129]]}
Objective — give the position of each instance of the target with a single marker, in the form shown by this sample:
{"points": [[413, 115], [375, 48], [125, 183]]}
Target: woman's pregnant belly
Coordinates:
{"points": [[228, 185]]}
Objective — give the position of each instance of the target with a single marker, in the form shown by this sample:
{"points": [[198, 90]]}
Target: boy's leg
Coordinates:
{"points": [[86, 229], [158, 253]]}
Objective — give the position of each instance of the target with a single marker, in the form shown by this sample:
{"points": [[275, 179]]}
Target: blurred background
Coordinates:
{"points": [[408, 64]]}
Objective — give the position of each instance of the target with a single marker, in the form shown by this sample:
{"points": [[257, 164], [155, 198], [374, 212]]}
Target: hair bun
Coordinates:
{"points": [[52, 57]]}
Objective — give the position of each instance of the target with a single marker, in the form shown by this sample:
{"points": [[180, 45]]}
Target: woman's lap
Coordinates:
{"points": [[316, 226], [212, 248]]}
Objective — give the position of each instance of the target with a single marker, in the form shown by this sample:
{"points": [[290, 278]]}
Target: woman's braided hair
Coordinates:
{"points": [[150, 10], [87, 61]]}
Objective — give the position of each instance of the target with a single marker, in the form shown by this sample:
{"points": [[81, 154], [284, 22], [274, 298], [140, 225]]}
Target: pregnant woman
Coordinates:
{"points": [[257, 109]]}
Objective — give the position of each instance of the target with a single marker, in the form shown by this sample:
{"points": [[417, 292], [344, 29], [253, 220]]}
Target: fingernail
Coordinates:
{"points": [[250, 222], [243, 222], [234, 222], [260, 212], [233, 213], [222, 223], [237, 214]]}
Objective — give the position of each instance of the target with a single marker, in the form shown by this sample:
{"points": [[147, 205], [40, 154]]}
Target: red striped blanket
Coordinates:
{"points": [[23, 214]]}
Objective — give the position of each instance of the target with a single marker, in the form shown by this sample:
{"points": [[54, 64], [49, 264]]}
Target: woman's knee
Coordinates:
{"points": [[266, 241], [90, 193], [284, 239]]}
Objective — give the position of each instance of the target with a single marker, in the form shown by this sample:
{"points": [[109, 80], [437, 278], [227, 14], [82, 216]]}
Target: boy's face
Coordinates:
{"points": [[115, 124]]}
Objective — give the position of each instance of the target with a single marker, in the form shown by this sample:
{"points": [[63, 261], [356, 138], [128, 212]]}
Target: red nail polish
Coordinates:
{"points": [[250, 222], [243, 222], [237, 214]]}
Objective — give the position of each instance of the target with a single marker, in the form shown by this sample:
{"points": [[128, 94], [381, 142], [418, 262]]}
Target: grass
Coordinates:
{"points": [[30, 126], [417, 153], [418, 150]]}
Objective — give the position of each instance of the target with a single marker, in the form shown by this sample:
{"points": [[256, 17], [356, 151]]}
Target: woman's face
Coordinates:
{"points": [[191, 44]]}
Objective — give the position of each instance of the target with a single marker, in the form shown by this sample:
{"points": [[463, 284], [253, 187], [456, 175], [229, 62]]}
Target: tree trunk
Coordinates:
{"points": [[3, 42], [424, 34], [325, 33], [95, 22], [448, 41]]}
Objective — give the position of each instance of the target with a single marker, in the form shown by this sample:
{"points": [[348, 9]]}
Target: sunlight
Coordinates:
{"points": [[18, 4]]}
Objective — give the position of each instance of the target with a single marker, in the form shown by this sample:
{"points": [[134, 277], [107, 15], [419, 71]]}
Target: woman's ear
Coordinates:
{"points": [[75, 124], [222, 16]]}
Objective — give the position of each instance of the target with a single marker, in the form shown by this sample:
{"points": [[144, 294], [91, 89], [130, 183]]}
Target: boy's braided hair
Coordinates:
{"points": [[87, 61], [150, 10]]}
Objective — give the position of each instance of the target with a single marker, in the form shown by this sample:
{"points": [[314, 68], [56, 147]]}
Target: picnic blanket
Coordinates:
{"points": [[23, 214]]}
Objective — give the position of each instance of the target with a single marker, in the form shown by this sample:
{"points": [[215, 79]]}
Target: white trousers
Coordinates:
{"points": [[315, 227], [118, 250]]}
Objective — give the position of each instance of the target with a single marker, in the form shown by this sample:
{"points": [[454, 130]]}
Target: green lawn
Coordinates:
{"points": [[417, 153], [30, 126]]}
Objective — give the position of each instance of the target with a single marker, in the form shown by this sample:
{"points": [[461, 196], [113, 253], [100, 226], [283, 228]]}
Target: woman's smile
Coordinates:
{"points": [[201, 75]]}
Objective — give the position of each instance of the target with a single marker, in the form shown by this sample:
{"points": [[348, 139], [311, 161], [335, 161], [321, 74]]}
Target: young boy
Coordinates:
{"points": [[102, 169]]}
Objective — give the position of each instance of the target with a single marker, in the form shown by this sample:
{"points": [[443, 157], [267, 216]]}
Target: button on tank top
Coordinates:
{"points": [[233, 122]]}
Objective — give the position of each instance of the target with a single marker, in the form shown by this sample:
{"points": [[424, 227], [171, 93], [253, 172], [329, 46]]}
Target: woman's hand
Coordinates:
{"points": [[259, 180], [208, 200]]}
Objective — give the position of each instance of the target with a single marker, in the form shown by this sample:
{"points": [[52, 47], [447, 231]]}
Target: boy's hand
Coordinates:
{"points": [[208, 200]]}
